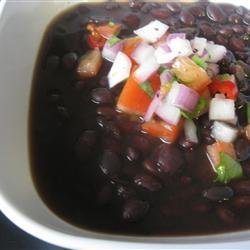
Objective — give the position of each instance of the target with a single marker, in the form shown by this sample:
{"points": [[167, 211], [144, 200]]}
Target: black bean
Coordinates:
{"points": [[226, 215], [140, 143], [62, 113], [132, 21], [168, 158], [161, 13], [227, 8], [125, 192], [132, 154], [174, 7], [104, 81], [246, 18], [111, 128], [101, 96], [85, 144], [242, 148], [218, 193], [206, 136], [110, 163], [52, 63], [221, 40], [105, 195], [69, 60], [185, 180], [238, 29], [131, 171], [112, 144], [187, 18], [78, 85], [112, 6], [215, 13], [197, 11], [241, 187], [235, 18], [134, 210], [207, 31], [201, 207], [236, 43], [107, 112], [150, 166], [241, 202], [186, 144], [148, 182], [226, 31]]}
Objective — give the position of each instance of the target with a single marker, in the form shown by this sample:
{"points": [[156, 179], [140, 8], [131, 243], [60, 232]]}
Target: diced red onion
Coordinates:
{"points": [[142, 52], [198, 45], [223, 132], [163, 54], [120, 69], [183, 97], [221, 109], [152, 32], [180, 47], [168, 112], [166, 77], [212, 70], [146, 69], [205, 55], [156, 102], [175, 35], [110, 52], [216, 52], [190, 131]]}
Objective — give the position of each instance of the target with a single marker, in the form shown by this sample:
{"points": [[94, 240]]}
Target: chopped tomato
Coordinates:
{"points": [[95, 41], [109, 30], [133, 100], [130, 45], [228, 88], [163, 130], [190, 73], [216, 148], [205, 93]]}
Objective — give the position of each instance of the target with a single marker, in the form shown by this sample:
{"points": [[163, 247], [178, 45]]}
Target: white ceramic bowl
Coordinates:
{"points": [[21, 29]]}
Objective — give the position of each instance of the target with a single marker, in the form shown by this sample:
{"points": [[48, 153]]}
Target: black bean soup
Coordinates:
{"points": [[92, 164]]}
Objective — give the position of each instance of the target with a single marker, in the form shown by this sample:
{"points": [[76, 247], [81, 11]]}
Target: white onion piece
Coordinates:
{"points": [[190, 131], [165, 77], [223, 132], [221, 109], [216, 52], [205, 55], [175, 35], [155, 103], [142, 52], [163, 54], [212, 69], [168, 112], [180, 47], [199, 44], [233, 121], [120, 69], [220, 96], [146, 69], [110, 52], [152, 32], [183, 97]]}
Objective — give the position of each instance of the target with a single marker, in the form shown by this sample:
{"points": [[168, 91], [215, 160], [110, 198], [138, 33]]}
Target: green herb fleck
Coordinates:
{"points": [[113, 41], [223, 77], [228, 169], [147, 88], [201, 105], [161, 69], [199, 61], [248, 113]]}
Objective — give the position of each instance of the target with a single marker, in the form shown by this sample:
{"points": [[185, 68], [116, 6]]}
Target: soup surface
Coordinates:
{"points": [[93, 164]]}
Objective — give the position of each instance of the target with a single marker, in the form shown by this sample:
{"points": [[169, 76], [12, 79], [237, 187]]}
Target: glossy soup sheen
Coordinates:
{"points": [[93, 166]]}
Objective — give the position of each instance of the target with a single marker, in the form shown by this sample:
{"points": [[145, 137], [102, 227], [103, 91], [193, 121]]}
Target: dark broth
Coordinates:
{"points": [[65, 159]]}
